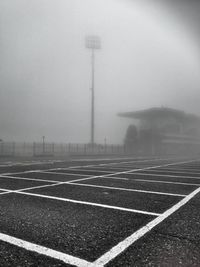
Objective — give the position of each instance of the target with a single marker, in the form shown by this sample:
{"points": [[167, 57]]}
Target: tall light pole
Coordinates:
{"points": [[93, 43]]}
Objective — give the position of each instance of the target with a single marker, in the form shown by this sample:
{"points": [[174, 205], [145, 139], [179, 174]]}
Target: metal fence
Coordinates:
{"points": [[12, 149]]}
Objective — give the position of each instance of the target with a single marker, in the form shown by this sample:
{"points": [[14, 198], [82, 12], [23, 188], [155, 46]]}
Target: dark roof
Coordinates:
{"points": [[160, 112]]}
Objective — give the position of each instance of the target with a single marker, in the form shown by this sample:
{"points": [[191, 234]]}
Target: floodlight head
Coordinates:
{"points": [[93, 42]]}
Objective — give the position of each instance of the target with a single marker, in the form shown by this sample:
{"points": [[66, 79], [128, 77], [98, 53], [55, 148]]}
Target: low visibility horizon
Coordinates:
{"points": [[149, 57]]}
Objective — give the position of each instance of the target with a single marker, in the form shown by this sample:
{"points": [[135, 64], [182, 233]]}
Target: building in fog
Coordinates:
{"points": [[162, 131]]}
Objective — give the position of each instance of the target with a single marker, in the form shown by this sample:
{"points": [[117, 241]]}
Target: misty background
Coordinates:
{"points": [[149, 57]]}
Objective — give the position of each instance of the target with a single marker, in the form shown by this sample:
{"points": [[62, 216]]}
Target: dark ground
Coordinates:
{"points": [[86, 230]]}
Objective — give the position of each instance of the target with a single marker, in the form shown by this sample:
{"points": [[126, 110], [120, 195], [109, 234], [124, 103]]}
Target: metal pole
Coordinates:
{"points": [[93, 43], [92, 98]]}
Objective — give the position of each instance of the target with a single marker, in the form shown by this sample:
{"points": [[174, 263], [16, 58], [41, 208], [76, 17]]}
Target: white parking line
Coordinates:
{"points": [[90, 165], [67, 173], [108, 175], [93, 170], [109, 169], [111, 254], [101, 164], [28, 179], [164, 182], [164, 175], [182, 168], [180, 171], [168, 171], [99, 176], [149, 168], [21, 164], [87, 203], [120, 247], [53, 181], [128, 189], [21, 191], [119, 178], [118, 158], [6, 192], [68, 259]]}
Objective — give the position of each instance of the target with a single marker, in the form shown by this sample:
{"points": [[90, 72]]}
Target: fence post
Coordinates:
{"points": [[13, 148], [34, 149], [52, 148], [84, 149], [99, 149], [2, 148], [105, 148], [61, 149], [124, 149], [77, 148]]}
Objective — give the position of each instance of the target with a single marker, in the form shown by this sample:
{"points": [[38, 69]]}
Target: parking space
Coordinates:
{"points": [[84, 172], [116, 199], [81, 230], [175, 242], [171, 172], [92, 212], [49, 176], [12, 255], [16, 184], [157, 178], [131, 184]]}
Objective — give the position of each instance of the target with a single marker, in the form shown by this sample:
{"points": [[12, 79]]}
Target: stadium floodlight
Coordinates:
{"points": [[93, 43]]}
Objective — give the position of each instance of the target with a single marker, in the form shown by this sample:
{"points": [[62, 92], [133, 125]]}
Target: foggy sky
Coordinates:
{"points": [[149, 57]]}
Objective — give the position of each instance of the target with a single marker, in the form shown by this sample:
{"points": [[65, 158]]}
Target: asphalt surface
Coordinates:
{"points": [[175, 242], [81, 230], [14, 256], [110, 201]]}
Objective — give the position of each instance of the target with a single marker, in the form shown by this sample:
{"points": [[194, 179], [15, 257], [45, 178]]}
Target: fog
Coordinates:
{"points": [[149, 57]]}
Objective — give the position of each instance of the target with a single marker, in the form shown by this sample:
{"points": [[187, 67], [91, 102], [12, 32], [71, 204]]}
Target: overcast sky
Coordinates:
{"points": [[149, 57]]}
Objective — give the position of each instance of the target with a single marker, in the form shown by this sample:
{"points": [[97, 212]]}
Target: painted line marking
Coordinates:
{"points": [[93, 177], [119, 158], [119, 178], [69, 258], [87, 203], [6, 192], [164, 182], [27, 163], [28, 179], [67, 173], [45, 251], [180, 172], [164, 175], [93, 170], [128, 189], [183, 169], [100, 176], [120, 247], [101, 164], [149, 168], [97, 165], [108, 164], [21, 191]]}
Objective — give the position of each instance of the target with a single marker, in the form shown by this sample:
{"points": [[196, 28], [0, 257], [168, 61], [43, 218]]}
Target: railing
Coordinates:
{"points": [[11, 149], [35, 149]]}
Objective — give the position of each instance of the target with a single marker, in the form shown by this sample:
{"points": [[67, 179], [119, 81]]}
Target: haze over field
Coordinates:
{"points": [[149, 57]]}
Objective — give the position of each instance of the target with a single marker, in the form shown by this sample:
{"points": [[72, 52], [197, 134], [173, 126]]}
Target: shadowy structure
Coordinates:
{"points": [[163, 131]]}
